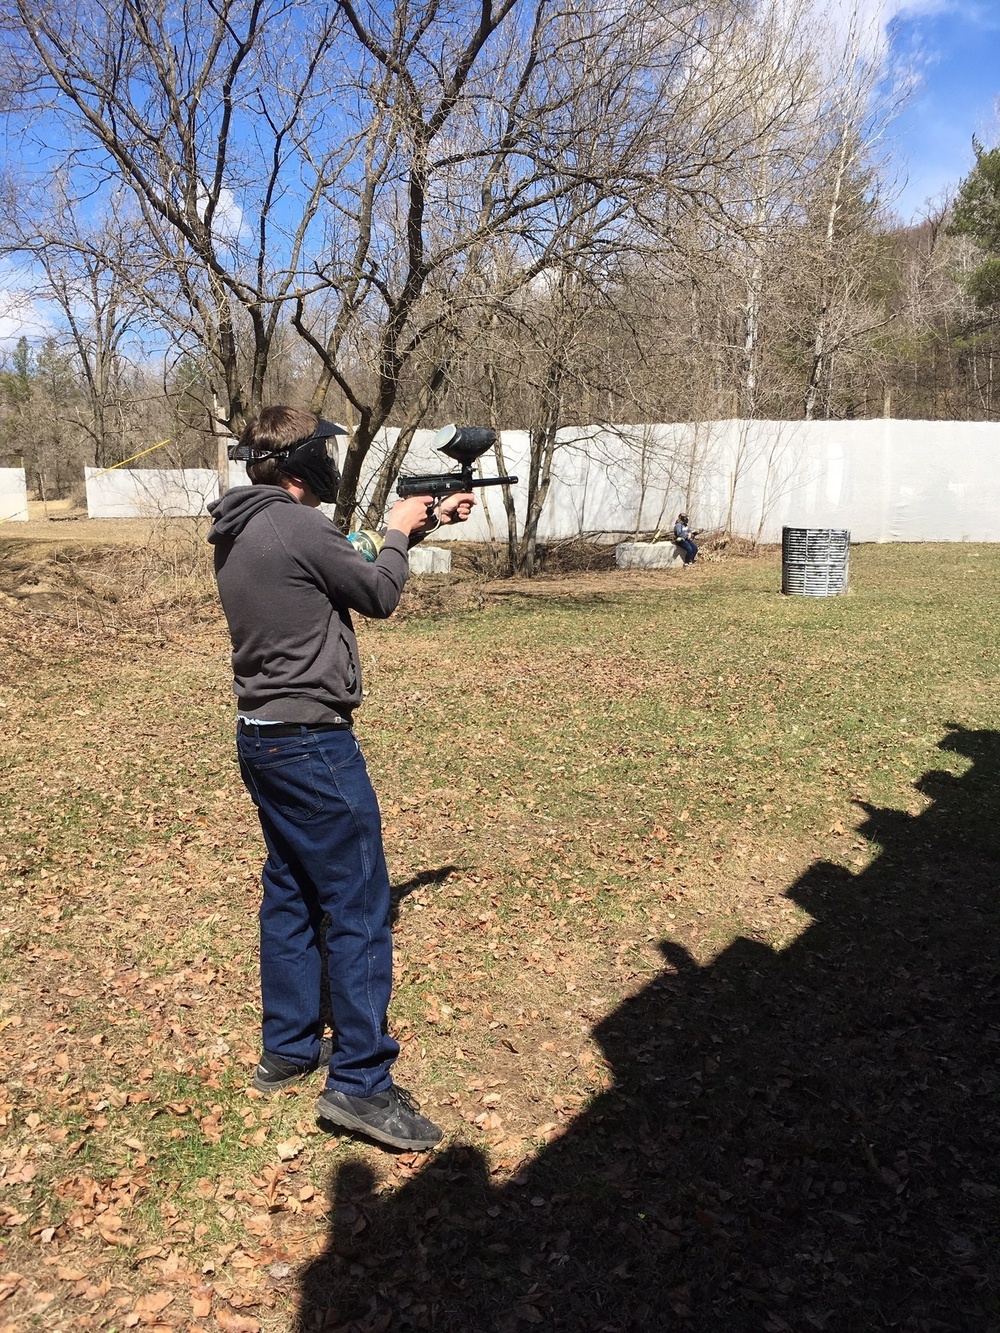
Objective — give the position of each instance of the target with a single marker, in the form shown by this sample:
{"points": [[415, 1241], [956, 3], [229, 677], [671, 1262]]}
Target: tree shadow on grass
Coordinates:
{"points": [[795, 1140]]}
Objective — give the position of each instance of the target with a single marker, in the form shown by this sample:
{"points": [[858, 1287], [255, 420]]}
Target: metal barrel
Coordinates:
{"points": [[814, 561]]}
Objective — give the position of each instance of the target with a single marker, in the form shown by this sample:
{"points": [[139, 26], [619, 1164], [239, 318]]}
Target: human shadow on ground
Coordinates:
{"points": [[795, 1140], [419, 881], [398, 892]]}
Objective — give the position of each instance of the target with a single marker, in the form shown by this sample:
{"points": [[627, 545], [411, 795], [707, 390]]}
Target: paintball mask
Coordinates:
{"points": [[313, 460]]}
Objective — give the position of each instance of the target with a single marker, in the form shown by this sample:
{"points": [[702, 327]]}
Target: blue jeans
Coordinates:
{"points": [[689, 549], [323, 833]]}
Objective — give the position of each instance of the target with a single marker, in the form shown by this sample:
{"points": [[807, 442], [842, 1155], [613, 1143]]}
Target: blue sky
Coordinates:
{"points": [[955, 49]]}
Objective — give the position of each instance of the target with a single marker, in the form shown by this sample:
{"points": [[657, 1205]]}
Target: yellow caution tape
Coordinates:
{"points": [[150, 450]]}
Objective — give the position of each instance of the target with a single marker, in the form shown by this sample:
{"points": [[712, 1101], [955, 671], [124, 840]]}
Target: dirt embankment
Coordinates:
{"points": [[104, 571]]}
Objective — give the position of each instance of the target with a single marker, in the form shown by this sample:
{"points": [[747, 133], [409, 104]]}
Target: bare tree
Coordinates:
{"points": [[212, 118], [842, 223], [390, 172], [88, 279], [498, 145], [693, 145]]}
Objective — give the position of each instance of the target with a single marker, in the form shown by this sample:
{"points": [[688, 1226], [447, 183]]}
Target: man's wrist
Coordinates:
{"points": [[398, 539]]}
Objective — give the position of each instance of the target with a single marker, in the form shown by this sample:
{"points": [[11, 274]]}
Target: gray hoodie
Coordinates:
{"points": [[288, 581]]}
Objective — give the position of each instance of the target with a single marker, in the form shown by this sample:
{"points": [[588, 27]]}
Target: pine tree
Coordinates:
{"points": [[977, 216]]}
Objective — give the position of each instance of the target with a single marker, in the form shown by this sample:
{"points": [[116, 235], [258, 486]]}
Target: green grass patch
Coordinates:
{"points": [[577, 788]]}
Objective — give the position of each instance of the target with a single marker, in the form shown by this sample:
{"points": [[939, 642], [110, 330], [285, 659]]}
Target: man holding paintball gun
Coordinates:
{"points": [[289, 580]]}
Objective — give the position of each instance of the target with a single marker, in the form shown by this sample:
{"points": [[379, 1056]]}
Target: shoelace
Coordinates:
{"points": [[407, 1099]]}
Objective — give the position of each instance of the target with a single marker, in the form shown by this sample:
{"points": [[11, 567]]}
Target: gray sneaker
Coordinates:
{"points": [[390, 1117]]}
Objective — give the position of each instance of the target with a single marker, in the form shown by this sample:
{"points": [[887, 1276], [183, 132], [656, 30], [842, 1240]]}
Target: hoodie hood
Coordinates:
{"points": [[237, 507]]}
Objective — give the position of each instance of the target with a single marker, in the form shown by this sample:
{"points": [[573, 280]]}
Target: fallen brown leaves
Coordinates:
{"points": [[625, 776]]}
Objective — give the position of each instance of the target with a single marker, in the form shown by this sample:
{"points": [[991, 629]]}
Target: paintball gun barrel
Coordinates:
{"points": [[464, 444]]}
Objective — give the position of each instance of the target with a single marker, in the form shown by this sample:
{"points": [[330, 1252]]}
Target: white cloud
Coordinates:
{"points": [[21, 316], [872, 20], [228, 221]]}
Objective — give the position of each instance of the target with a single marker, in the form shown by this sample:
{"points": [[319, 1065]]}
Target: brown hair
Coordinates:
{"points": [[275, 428], [265, 472]]}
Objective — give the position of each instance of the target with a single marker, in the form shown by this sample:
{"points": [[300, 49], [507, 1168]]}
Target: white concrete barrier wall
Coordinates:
{"points": [[13, 494], [884, 480], [150, 492], [647, 555]]}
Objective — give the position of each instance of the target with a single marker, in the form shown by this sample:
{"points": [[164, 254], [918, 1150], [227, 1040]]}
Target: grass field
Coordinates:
{"points": [[697, 959]]}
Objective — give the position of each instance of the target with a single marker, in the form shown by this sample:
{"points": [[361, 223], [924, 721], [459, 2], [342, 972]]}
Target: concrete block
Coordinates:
{"points": [[430, 560], [647, 555]]}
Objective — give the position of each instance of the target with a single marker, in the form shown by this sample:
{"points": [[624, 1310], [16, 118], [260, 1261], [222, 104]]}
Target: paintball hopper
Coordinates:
{"points": [[464, 443]]}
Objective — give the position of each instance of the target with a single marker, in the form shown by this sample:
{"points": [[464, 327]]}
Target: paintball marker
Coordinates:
{"points": [[464, 444]]}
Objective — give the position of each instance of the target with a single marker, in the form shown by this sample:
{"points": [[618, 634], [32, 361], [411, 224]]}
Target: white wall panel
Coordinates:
{"points": [[884, 480], [13, 494], [150, 492]]}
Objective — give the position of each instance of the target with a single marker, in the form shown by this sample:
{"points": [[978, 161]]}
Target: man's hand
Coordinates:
{"points": [[411, 516], [456, 508]]}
